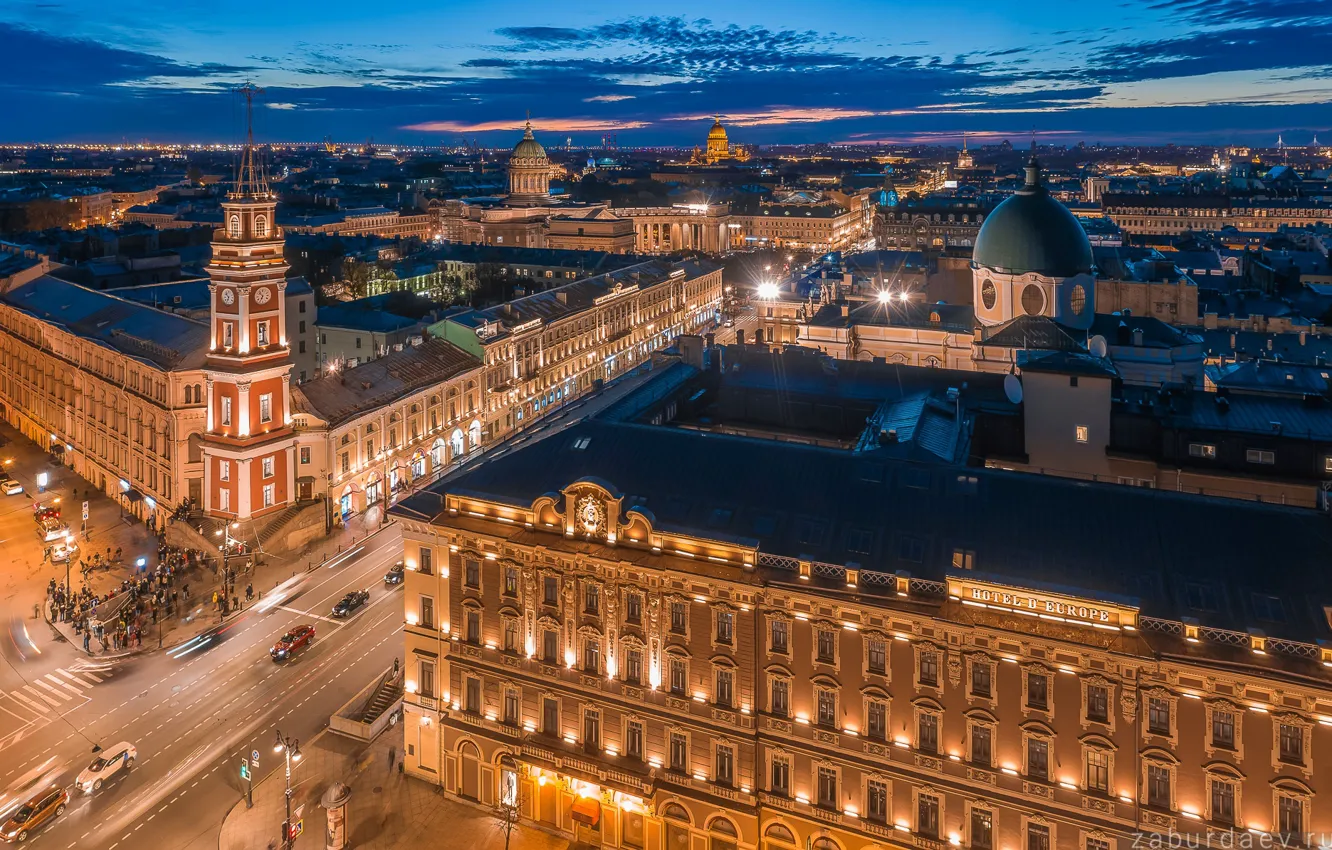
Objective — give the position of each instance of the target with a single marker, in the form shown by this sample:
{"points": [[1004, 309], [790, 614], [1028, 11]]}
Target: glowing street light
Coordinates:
{"points": [[767, 290]]}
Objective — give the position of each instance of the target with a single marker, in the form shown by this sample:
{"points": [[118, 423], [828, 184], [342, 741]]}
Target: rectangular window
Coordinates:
{"points": [[982, 745], [876, 801], [550, 646], [224, 500], [472, 626], [1080, 433], [633, 740], [550, 717], [591, 656], [780, 702], [591, 730], [1098, 771], [265, 407], [270, 495], [1223, 800], [472, 696], [980, 679], [1038, 758], [511, 709], [876, 720], [591, 599], [780, 636], [827, 707], [724, 773], [725, 627], [633, 665], [1223, 729], [1291, 739], [426, 672], [929, 667], [877, 656], [680, 752], [1038, 691], [550, 590], [1206, 451], [679, 616], [1260, 456], [427, 612], [781, 776], [1098, 703], [927, 732], [261, 333], [1158, 786], [510, 581], [305, 455], [224, 470], [1158, 716], [679, 674], [472, 573], [1290, 817], [982, 829], [723, 691], [633, 608], [827, 791], [927, 816], [1038, 837], [266, 465], [964, 559], [226, 409], [510, 634]]}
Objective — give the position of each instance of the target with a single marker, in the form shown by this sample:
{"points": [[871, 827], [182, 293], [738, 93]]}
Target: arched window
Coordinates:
{"points": [[777, 832], [675, 811], [722, 835], [233, 227], [261, 226]]}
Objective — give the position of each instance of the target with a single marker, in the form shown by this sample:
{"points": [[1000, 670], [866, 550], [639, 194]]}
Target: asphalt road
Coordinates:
{"points": [[193, 711]]}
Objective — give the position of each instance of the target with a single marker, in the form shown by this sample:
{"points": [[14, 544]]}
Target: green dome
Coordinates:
{"points": [[1033, 232], [528, 148]]}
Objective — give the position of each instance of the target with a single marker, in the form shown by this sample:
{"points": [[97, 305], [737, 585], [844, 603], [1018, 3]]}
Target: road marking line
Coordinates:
{"points": [[36, 706], [64, 684], [37, 693], [68, 675], [310, 614], [26, 720]]}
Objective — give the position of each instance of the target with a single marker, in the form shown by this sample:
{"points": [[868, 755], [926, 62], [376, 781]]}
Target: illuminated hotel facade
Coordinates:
{"points": [[806, 647]]}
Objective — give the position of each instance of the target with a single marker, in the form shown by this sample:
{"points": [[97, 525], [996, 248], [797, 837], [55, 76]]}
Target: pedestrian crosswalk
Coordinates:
{"points": [[31, 706]]}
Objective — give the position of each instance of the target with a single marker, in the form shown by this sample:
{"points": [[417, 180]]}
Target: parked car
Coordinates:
{"points": [[289, 644], [113, 761], [349, 603], [11, 487], [38, 811], [394, 575]]}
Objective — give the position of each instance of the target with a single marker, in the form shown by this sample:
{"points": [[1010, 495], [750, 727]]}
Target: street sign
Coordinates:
{"points": [[296, 829], [245, 769], [254, 762], [254, 756], [85, 511]]}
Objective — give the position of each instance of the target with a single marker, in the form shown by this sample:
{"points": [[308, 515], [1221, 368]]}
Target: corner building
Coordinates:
{"points": [[652, 637]]}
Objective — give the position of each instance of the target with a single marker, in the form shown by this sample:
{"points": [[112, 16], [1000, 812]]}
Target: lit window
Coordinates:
{"points": [[224, 470], [267, 465], [261, 333], [226, 410], [1080, 433], [270, 495], [266, 407]]}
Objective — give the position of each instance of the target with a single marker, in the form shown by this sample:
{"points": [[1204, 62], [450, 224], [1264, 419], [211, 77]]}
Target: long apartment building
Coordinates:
{"points": [[651, 637], [112, 387], [1173, 215], [543, 350]]}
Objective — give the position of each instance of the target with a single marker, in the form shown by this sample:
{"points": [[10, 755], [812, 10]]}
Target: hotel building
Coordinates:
{"points": [[651, 631]]}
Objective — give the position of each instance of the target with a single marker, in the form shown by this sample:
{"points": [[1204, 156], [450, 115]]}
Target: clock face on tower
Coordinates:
{"points": [[262, 295], [228, 296]]}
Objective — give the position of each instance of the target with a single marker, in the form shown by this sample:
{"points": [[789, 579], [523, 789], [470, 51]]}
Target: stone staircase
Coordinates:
{"points": [[386, 696]]}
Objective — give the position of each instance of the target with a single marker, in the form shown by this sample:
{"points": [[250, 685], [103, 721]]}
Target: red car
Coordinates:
{"points": [[294, 640]]}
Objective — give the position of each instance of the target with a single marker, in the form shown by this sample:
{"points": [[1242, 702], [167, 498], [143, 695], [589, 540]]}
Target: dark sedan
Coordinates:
{"points": [[394, 575], [350, 603]]}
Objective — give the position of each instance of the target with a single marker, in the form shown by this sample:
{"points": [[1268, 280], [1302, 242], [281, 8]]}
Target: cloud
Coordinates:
{"points": [[781, 116], [282, 105], [608, 98], [558, 125]]}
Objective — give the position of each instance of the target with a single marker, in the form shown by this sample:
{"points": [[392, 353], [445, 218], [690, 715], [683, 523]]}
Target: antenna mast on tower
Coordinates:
{"points": [[250, 179]]}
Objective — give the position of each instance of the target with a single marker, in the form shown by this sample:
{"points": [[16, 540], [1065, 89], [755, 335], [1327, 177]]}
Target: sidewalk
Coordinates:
{"points": [[386, 809]]}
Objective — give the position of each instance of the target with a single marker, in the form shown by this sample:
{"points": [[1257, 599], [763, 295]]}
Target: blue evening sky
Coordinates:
{"points": [[1208, 71]]}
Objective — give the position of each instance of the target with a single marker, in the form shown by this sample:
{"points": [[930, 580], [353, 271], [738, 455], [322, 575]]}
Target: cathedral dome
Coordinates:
{"points": [[718, 132], [528, 151], [1033, 232]]}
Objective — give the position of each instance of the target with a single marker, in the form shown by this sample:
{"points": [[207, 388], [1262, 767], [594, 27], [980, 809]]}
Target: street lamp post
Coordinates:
{"points": [[291, 748]]}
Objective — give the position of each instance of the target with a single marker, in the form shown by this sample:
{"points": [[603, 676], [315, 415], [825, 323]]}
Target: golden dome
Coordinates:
{"points": [[718, 132]]}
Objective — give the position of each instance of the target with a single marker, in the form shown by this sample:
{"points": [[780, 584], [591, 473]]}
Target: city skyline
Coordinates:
{"points": [[1235, 72]]}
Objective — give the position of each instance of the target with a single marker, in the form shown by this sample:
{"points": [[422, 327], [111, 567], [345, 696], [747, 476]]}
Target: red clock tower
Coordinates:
{"points": [[248, 447]]}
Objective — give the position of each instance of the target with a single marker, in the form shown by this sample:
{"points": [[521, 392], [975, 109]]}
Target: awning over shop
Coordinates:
{"points": [[57, 448], [133, 495], [587, 810]]}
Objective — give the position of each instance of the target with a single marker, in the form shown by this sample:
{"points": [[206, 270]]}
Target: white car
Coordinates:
{"points": [[12, 487], [113, 761]]}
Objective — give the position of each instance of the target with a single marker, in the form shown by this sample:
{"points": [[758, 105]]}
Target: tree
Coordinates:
{"points": [[194, 174], [355, 276], [508, 813]]}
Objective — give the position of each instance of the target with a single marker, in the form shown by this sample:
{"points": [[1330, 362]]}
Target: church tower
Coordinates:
{"points": [[248, 448]]}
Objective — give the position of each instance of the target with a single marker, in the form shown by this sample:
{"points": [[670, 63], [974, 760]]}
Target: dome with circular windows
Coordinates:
{"points": [[1033, 300], [1031, 232]]}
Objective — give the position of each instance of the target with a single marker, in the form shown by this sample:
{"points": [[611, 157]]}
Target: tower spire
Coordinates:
{"points": [[250, 180]]}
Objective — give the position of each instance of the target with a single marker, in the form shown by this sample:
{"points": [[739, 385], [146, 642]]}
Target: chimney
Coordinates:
{"points": [[846, 311], [1304, 337], [1137, 337]]}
